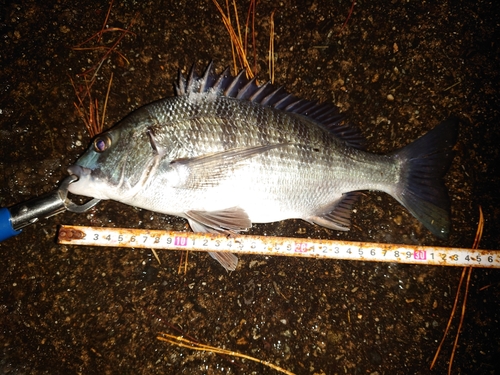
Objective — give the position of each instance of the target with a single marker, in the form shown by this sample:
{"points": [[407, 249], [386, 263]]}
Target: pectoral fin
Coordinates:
{"points": [[227, 260], [209, 170], [233, 219]]}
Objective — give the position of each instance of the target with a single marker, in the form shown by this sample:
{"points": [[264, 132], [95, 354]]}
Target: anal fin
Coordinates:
{"points": [[338, 214]]}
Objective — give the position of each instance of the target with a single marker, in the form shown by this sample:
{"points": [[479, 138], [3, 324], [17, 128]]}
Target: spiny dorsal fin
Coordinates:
{"points": [[325, 114]]}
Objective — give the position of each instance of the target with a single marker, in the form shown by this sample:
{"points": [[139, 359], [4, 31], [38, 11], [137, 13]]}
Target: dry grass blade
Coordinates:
{"points": [[184, 343], [183, 262], [156, 255], [477, 239]]}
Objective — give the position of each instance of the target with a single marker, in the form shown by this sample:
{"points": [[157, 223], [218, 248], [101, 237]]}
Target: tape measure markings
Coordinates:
{"points": [[264, 245]]}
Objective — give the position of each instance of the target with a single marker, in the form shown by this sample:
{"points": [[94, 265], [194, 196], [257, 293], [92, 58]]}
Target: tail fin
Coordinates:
{"points": [[421, 188]]}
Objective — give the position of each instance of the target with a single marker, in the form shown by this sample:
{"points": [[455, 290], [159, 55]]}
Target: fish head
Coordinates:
{"points": [[119, 161]]}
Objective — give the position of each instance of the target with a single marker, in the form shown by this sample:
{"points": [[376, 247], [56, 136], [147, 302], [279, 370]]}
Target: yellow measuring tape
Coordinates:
{"points": [[282, 246]]}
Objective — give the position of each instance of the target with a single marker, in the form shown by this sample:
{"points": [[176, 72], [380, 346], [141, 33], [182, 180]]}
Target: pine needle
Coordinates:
{"points": [[106, 102], [236, 40], [459, 329], [464, 270], [184, 343], [90, 112], [477, 239], [239, 40], [348, 16], [101, 47], [271, 47], [251, 12]]}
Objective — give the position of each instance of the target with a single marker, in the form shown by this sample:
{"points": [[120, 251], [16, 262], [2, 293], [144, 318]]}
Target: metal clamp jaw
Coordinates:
{"points": [[29, 212]]}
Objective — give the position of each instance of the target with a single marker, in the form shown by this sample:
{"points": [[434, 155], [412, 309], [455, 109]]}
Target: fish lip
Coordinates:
{"points": [[80, 185], [78, 171]]}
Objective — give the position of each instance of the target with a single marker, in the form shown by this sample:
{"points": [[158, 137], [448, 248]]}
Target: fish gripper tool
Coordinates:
{"points": [[14, 218]]}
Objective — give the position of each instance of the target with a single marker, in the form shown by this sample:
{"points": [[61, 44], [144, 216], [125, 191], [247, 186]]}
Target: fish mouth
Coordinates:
{"points": [[78, 171], [83, 185]]}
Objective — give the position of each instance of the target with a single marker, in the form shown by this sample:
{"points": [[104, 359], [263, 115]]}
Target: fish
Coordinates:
{"points": [[225, 152]]}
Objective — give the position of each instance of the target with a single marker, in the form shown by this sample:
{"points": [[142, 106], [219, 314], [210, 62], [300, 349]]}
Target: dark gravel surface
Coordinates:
{"points": [[397, 69]]}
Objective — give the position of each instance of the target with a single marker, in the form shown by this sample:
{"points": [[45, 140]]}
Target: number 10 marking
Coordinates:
{"points": [[180, 241]]}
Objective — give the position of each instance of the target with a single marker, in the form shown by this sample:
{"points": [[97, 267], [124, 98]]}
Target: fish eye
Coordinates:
{"points": [[102, 143]]}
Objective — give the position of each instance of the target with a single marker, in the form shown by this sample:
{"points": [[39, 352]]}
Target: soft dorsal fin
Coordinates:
{"points": [[325, 114]]}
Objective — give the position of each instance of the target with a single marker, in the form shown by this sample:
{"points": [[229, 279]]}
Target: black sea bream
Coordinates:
{"points": [[225, 153]]}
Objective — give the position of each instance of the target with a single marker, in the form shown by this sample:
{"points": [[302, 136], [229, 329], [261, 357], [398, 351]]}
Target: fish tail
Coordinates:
{"points": [[421, 188]]}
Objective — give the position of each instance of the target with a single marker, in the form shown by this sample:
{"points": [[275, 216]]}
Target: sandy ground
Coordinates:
{"points": [[396, 70]]}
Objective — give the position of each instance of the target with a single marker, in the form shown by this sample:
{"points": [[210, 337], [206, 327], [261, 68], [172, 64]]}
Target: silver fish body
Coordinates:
{"points": [[225, 153]]}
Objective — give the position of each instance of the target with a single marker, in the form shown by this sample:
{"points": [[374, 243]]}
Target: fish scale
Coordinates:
{"points": [[225, 153]]}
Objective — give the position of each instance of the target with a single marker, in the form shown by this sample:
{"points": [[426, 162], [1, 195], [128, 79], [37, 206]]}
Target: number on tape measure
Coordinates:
{"points": [[247, 244]]}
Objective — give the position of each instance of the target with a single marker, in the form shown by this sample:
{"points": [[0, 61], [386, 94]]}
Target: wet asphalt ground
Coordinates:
{"points": [[397, 69]]}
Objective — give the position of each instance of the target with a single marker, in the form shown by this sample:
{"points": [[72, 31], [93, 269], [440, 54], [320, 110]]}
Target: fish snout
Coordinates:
{"points": [[81, 185], [78, 170]]}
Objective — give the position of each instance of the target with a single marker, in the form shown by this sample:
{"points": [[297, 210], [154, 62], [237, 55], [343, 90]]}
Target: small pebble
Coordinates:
{"points": [[398, 219]]}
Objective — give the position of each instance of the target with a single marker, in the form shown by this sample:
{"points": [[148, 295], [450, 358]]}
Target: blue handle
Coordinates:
{"points": [[6, 229]]}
